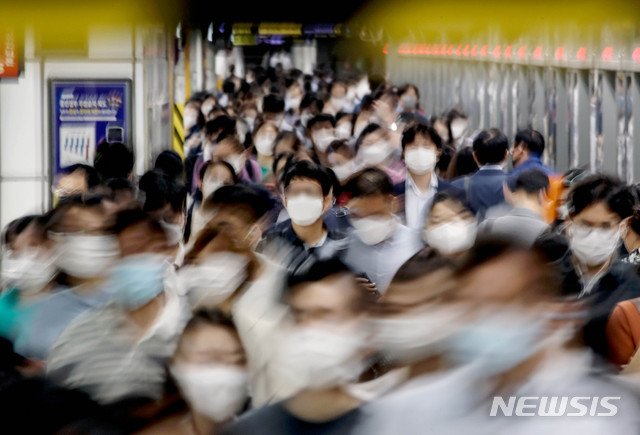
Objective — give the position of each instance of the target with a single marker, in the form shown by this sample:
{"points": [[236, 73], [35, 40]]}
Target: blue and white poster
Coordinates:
{"points": [[82, 114]]}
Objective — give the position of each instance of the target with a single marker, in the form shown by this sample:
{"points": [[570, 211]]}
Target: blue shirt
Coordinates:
{"points": [[52, 316], [530, 164]]}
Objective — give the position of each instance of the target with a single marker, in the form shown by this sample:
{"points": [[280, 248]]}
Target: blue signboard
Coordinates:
{"points": [[86, 113]]}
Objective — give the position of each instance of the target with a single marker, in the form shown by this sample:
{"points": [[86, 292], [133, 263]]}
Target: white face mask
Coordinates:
{"points": [[189, 121], [207, 151], [251, 122], [420, 160], [344, 170], [408, 102], [322, 139], [206, 108], [304, 209], [292, 103], [318, 358], [29, 271], [209, 187], [215, 391], [214, 279], [458, 126], [375, 154], [264, 144], [338, 103], [236, 161], [374, 230], [87, 256], [451, 237], [305, 118], [412, 337], [343, 131], [174, 232], [593, 246], [363, 89], [563, 212]]}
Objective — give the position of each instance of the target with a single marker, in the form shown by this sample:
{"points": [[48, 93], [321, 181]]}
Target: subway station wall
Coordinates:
{"points": [[585, 114]]}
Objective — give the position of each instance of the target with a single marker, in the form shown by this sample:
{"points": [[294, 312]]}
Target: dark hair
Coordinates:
{"points": [[601, 188], [404, 88], [273, 104], [420, 129], [220, 124], [15, 227], [287, 135], [113, 160], [118, 186], [226, 165], [370, 128], [424, 262], [533, 181], [54, 216], [310, 99], [490, 146], [170, 164], [532, 140], [369, 182], [312, 171], [160, 191], [209, 317], [228, 87], [446, 156], [91, 175], [323, 117], [462, 163], [239, 195]]}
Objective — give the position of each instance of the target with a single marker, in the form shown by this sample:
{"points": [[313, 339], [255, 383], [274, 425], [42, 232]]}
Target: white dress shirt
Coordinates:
{"points": [[417, 203]]}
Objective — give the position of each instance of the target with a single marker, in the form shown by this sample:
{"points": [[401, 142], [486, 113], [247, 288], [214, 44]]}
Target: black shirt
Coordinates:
{"points": [[275, 419]]}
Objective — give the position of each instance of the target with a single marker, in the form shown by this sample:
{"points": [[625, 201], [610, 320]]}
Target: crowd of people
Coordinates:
{"points": [[327, 258]]}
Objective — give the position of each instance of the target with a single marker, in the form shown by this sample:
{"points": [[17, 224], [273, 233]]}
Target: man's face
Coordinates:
{"points": [[518, 155], [329, 301], [422, 141], [597, 216]]}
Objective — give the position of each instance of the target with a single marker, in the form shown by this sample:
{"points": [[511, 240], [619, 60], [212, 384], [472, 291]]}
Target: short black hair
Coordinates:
{"points": [[170, 164], [219, 124], [490, 146], [420, 129], [451, 195], [323, 117], [601, 188], [533, 181], [272, 104], [209, 317], [370, 128], [91, 175], [310, 170], [239, 195], [131, 217], [160, 191], [369, 182], [113, 160], [423, 263], [532, 140], [310, 99]]}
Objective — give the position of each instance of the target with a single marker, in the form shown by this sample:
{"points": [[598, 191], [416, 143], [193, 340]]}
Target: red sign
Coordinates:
{"points": [[9, 67]]}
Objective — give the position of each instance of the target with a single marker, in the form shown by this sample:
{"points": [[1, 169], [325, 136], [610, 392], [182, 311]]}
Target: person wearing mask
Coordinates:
{"points": [[114, 160], [143, 322], [483, 189], [264, 137], [310, 106], [230, 149], [344, 126], [307, 197], [215, 174], [86, 248], [452, 228], [320, 130], [569, 178], [209, 368], [27, 272], [337, 98], [409, 104], [421, 148], [375, 147], [273, 110], [165, 200], [457, 123], [341, 158], [318, 355], [598, 205], [527, 153], [523, 223], [286, 142], [380, 243]]}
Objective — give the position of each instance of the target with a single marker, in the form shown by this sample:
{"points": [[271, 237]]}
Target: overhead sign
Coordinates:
{"points": [[9, 65], [86, 113]]}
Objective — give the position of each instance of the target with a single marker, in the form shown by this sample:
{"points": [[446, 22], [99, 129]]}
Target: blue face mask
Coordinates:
{"points": [[137, 279]]}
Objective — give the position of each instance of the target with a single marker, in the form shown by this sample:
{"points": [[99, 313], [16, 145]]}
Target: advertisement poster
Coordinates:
{"points": [[86, 113]]}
